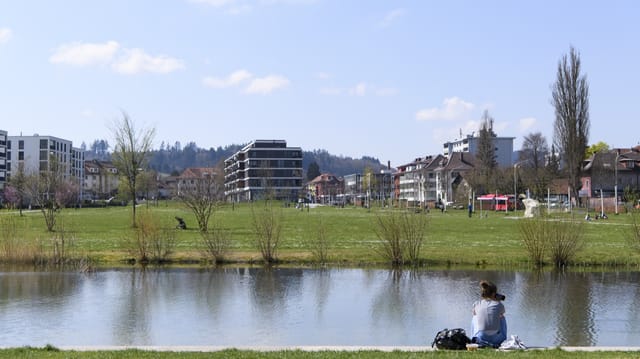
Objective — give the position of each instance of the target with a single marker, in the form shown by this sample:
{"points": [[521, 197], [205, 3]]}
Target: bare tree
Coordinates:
{"points": [[131, 154], [49, 190], [201, 192], [534, 173], [570, 98]]}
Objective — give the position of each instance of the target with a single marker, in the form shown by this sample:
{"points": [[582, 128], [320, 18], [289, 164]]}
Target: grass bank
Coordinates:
{"points": [[52, 353], [453, 238]]}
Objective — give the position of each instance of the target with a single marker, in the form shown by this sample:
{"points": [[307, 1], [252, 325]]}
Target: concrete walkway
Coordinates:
{"points": [[305, 348]]}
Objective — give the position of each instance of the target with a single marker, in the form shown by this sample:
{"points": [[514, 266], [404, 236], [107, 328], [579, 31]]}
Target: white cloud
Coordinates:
{"points": [[254, 85], [453, 108], [235, 7], [359, 89], [121, 60], [234, 79], [322, 75], [5, 35], [135, 61], [527, 123], [85, 54], [267, 85], [214, 3], [392, 17]]}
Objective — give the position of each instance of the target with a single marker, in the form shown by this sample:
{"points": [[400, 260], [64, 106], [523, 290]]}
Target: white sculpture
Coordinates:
{"points": [[531, 207]]}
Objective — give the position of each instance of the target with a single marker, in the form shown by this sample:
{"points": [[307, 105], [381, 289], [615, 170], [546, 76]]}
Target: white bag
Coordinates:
{"points": [[513, 343]]}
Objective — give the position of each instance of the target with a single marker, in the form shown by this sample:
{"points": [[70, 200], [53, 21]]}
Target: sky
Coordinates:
{"points": [[393, 80]]}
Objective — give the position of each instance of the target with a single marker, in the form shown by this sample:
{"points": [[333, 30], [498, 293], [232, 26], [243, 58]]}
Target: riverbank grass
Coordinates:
{"points": [[452, 238]]}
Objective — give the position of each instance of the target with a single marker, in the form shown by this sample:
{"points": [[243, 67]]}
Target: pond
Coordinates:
{"points": [[283, 306]]}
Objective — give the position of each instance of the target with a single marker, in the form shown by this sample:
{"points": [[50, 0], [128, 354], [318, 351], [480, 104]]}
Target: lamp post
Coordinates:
{"points": [[515, 186]]}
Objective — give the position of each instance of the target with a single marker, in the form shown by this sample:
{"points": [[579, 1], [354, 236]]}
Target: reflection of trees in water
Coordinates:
{"points": [[322, 289], [271, 290], [133, 317], [575, 315], [400, 299], [45, 286], [213, 285], [633, 310], [560, 300]]}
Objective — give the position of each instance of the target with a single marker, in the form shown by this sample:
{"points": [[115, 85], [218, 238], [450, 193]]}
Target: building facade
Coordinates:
{"points": [[469, 144], [360, 189], [3, 158], [101, 180], [326, 189], [264, 169], [36, 153]]}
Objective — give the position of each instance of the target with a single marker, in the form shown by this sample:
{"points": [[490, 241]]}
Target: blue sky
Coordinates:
{"points": [[388, 79]]}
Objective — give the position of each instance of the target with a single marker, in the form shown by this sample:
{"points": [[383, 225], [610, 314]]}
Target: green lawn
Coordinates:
{"points": [[296, 354], [453, 238]]}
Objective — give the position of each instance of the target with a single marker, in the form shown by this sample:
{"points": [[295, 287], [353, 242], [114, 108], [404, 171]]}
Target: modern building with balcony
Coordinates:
{"points": [[3, 158], [264, 169]]}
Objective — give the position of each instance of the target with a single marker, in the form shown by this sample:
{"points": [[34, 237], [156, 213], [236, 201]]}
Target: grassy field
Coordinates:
{"points": [[296, 354], [491, 240]]}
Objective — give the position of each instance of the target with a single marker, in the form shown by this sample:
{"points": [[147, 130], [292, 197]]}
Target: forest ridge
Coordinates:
{"points": [[173, 159]]}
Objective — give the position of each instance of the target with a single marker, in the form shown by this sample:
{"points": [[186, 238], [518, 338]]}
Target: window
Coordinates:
{"points": [[21, 145], [43, 144], [21, 156]]}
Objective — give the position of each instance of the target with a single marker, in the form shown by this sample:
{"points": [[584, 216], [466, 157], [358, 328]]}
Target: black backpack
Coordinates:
{"points": [[455, 339]]}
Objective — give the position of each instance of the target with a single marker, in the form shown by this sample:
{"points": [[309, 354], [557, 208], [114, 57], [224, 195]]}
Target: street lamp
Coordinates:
{"points": [[515, 186]]}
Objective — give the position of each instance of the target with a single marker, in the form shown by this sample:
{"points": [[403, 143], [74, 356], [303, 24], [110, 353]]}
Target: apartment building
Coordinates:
{"points": [[470, 144], [372, 186], [101, 180], [3, 158], [264, 169], [35, 153]]}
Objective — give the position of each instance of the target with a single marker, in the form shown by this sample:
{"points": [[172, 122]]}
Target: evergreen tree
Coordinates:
{"points": [[313, 171]]}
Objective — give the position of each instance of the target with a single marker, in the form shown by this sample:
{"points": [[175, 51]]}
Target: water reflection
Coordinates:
{"points": [[281, 306]]}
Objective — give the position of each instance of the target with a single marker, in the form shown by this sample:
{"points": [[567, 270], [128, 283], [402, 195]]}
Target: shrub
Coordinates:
{"points": [[149, 242], [401, 236], [216, 242], [319, 244], [558, 238], [267, 226]]}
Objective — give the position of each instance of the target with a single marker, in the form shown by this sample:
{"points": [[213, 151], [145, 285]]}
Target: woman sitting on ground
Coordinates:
{"points": [[488, 325]]}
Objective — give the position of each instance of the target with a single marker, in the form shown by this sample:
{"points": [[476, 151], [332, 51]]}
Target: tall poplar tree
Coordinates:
{"points": [[570, 98]]}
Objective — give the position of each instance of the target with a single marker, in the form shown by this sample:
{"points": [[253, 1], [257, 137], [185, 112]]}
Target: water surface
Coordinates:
{"points": [[255, 306]]}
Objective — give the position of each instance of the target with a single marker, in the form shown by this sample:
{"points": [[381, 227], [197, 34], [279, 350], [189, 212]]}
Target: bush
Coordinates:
{"points": [[267, 226], [149, 241], [558, 238], [216, 242], [402, 235], [319, 244]]}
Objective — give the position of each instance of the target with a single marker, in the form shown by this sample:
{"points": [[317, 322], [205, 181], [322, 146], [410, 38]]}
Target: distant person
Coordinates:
{"points": [[489, 325], [470, 209]]}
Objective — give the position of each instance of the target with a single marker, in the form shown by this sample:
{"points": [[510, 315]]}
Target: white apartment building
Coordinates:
{"points": [[469, 144], [34, 153]]}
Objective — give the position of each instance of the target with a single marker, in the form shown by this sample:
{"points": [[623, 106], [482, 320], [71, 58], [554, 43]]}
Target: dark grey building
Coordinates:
{"points": [[264, 169]]}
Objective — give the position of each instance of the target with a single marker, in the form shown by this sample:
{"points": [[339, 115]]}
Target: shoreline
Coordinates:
{"points": [[308, 348]]}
